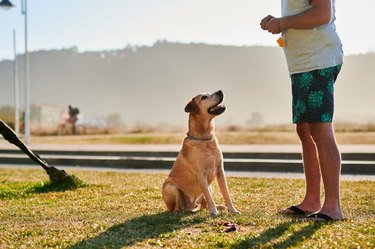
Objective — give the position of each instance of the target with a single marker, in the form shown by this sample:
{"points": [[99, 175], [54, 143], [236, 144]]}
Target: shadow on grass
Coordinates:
{"points": [[57, 187], [138, 229], [284, 235], [10, 190]]}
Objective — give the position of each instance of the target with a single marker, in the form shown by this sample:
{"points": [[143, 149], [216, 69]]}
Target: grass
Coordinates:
{"points": [[116, 210]]}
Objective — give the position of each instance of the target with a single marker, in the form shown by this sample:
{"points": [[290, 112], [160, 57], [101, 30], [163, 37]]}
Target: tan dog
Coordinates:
{"points": [[200, 161]]}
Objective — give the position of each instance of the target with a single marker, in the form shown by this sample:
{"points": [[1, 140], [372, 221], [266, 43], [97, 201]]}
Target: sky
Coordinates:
{"points": [[108, 25]]}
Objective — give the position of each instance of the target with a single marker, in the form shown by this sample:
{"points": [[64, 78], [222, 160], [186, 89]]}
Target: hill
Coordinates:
{"points": [[151, 85]]}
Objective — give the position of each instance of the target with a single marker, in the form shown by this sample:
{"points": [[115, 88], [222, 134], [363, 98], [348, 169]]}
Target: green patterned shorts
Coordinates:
{"points": [[313, 95]]}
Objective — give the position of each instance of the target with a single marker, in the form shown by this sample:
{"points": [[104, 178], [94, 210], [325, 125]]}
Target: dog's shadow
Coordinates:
{"points": [[139, 229]]}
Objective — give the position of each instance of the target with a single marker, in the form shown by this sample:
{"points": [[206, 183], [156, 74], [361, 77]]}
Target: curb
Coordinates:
{"points": [[352, 163]]}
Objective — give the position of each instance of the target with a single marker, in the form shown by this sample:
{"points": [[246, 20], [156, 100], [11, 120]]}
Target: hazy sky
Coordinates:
{"points": [[104, 24]]}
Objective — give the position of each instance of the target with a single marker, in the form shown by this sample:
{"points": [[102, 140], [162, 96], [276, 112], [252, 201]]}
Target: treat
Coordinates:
{"points": [[281, 42]]}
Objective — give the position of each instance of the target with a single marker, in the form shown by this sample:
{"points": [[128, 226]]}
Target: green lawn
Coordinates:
{"points": [[115, 210]]}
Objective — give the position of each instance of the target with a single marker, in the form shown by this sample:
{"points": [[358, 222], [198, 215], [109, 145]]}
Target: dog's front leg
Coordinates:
{"points": [[224, 191], [211, 206]]}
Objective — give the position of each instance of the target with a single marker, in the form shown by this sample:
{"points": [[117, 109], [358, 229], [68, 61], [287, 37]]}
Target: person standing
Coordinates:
{"points": [[314, 56]]}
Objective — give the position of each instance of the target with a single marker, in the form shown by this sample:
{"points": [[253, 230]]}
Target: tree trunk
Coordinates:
{"points": [[55, 175]]}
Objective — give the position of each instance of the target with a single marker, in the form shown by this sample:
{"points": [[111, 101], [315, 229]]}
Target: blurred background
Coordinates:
{"points": [[124, 65]]}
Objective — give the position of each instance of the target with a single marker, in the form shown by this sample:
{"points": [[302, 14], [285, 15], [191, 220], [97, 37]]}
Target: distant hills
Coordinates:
{"points": [[151, 85]]}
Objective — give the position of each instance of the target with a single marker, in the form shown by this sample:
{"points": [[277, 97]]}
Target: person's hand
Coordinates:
{"points": [[264, 22], [273, 26]]}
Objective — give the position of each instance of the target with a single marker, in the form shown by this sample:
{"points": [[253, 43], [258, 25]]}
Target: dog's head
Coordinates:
{"points": [[206, 103]]}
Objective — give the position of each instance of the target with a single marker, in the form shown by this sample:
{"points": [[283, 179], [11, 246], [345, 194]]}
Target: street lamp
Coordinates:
{"points": [[27, 78], [6, 4], [16, 87]]}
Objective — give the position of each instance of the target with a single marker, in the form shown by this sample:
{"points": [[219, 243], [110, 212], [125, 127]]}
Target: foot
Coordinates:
{"points": [[214, 212], [293, 210], [234, 211], [320, 217], [298, 210], [335, 213]]}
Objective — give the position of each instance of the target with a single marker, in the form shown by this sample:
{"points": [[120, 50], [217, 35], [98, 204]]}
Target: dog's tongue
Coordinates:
{"points": [[214, 108], [217, 107]]}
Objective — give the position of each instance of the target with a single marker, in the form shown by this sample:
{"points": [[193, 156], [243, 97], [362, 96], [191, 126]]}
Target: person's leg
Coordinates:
{"points": [[311, 201], [330, 166]]}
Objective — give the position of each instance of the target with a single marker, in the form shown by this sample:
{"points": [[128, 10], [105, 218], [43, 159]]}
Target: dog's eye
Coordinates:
{"points": [[204, 97]]}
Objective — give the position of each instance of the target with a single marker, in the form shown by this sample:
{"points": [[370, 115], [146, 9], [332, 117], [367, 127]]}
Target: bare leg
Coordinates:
{"points": [[330, 165], [311, 201]]}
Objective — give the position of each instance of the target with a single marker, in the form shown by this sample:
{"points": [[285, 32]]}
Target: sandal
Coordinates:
{"points": [[319, 217], [293, 210]]}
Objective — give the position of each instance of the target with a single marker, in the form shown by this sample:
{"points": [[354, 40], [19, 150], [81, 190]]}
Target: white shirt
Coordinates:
{"points": [[310, 49]]}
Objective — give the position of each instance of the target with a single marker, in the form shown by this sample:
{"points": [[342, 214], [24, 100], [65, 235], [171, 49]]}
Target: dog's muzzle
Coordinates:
{"points": [[217, 109]]}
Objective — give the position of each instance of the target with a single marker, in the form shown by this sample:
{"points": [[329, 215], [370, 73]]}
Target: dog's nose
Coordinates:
{"points": [[220, 93]]}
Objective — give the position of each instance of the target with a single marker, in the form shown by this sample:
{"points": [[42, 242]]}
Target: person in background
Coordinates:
{"points": [[314, 56]]}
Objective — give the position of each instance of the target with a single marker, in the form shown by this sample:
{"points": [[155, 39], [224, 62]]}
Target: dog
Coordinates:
{"points": [[199, 162]]}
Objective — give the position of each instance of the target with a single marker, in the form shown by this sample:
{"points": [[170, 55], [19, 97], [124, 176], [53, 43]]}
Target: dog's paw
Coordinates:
{"points": [[221, 208], [234, 211], [214, 213]]}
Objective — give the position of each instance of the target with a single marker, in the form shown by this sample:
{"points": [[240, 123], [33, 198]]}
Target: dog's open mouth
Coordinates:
{"points": [[217, 109]]}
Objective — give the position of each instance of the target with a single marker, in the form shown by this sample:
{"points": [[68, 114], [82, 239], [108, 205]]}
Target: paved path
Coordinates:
{"points": [[251, 172]]}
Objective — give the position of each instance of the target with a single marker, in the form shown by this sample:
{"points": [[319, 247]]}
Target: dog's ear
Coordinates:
{"points": [[192, 107]]}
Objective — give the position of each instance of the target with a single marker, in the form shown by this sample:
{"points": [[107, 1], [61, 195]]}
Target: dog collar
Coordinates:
{"points": [[198, 138]]}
